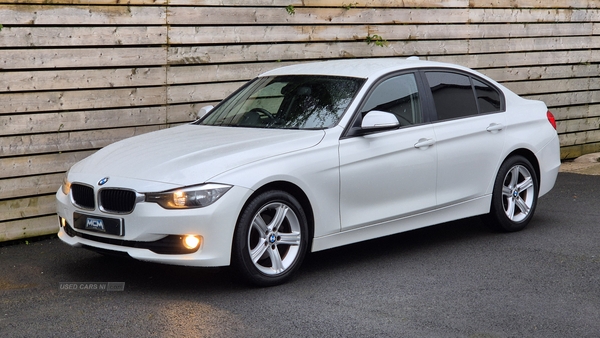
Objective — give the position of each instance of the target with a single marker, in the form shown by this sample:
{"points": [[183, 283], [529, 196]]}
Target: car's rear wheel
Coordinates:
{"points": [[271, 239], [515, 195]]}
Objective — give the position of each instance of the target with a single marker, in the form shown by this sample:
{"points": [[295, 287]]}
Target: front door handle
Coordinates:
{"points": [[424, 143]]}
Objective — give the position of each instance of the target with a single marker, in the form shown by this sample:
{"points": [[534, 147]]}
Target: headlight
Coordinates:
{"points": [[190, 197], [66, 185]]}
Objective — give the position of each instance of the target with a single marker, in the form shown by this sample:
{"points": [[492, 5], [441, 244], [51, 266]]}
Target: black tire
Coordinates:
{"points": [[515, 195], [268, 250]]}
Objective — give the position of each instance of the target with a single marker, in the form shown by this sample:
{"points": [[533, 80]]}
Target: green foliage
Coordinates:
{"points": [[290, 10], [1, 26], [350, 5], [377, 40]]}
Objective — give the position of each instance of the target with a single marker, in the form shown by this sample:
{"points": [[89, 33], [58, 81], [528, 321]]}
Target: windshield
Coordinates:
{"points": [[286, 102]]}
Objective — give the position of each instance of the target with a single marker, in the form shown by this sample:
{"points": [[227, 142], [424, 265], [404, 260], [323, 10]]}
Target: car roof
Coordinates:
{"points": [[360, 68]]}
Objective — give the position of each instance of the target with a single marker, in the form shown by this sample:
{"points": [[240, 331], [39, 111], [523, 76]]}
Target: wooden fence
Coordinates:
{"points": [[77, 75]]}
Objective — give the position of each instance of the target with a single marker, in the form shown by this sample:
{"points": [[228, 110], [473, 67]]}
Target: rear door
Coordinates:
{"points": [[469, 133]]}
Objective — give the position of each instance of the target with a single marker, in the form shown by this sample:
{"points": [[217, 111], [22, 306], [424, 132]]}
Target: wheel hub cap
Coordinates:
{"points": [[274, 239], [518, 193]]}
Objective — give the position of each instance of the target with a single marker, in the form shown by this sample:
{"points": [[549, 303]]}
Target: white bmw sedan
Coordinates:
{"points": [[314, 156]]}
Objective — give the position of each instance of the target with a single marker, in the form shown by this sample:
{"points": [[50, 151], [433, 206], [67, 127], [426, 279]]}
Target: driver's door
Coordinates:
{"points": [[389, 174]]}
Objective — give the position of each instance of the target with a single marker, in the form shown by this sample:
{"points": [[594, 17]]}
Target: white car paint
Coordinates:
{"points": [[358, 188], [379, 171], [189, 154]]}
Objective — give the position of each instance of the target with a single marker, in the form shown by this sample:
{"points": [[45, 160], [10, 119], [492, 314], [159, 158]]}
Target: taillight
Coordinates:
{"points": [[551, 119]]}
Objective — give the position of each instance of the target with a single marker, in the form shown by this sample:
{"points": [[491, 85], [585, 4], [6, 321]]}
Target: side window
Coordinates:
{"points": [[397, 95], [488, 98], [452, 94]]}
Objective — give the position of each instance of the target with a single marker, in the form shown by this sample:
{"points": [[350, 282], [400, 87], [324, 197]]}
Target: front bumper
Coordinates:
{"points": [[152, 233]]}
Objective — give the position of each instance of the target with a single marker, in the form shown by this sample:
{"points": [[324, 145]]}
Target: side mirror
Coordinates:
{"points": [[203, 111], [376, 120]]}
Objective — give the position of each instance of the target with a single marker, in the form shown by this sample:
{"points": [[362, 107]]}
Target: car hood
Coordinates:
{"points": [[192, 154]]}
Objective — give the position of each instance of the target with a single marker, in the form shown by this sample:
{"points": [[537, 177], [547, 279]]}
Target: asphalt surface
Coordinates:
{"points": [[452, 280]]}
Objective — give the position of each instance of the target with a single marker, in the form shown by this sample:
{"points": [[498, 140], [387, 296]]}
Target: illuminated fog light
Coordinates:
{"points": [[191, 242], [63, 222]]}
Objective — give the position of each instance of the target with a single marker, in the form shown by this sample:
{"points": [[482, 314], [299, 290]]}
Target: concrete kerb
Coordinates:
{"points": [[588, 164]]}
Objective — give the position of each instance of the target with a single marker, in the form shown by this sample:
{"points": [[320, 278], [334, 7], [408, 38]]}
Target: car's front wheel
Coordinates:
{"points": [[271, 238], [515, 195]]}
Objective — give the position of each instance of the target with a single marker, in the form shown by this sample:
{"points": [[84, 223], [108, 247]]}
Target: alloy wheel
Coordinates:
{"points": [[274, 238]]}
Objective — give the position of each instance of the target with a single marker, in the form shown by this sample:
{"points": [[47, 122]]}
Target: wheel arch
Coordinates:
{"points": [[501, 216], [530, 156], [295, 191]]}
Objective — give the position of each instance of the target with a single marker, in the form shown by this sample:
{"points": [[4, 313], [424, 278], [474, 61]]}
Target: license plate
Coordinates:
{"points": [[111, 226]]}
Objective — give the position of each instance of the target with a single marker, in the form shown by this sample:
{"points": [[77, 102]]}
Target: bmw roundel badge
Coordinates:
{"points": [[103, 181]]}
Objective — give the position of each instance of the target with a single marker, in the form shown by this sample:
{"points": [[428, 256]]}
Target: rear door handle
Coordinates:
{"points": [[424, 143], [495, 127]]}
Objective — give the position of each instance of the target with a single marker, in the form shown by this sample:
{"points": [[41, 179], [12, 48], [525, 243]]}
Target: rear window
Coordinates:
{"points": [[488, 98], [458, 95]]}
